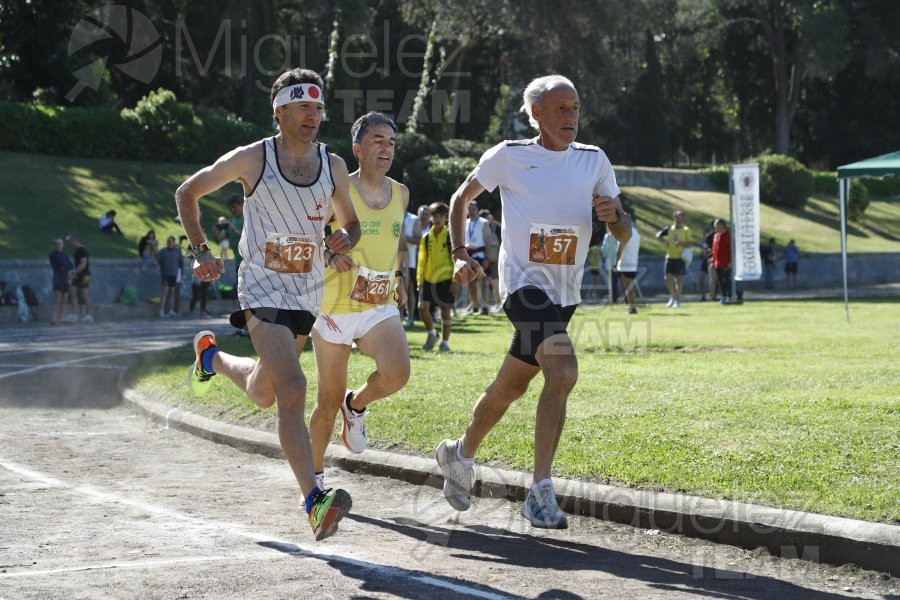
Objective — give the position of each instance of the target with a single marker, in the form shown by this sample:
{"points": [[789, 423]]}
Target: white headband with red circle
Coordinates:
{"points": [[300, 92]]}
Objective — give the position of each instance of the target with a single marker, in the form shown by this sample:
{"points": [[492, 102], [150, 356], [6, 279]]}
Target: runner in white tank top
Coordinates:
{"points": [[289, 182], [284, 216]]}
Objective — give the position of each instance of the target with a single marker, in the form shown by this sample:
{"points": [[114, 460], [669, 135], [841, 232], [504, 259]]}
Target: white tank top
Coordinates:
{"points": [[280, 211]]}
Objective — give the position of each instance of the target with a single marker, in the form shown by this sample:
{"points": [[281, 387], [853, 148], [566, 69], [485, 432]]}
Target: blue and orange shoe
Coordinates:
{"points": [[328, 508], [200, 379]]}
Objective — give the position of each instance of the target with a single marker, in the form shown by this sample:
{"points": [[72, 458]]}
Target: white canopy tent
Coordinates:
{"points": [[886, 164]]}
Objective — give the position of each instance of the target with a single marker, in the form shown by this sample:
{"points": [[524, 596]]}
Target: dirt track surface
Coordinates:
{"points": [[99, 502]]}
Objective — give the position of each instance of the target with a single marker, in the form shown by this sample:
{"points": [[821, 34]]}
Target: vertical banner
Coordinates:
{"points": [[746, 262]]}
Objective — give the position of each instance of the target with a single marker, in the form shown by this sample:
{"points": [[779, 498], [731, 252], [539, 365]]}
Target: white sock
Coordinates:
{"points": [[463, 459], [433, 332]]}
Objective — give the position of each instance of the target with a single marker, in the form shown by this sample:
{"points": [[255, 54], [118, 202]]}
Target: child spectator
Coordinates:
{"points": [[434, 272]]}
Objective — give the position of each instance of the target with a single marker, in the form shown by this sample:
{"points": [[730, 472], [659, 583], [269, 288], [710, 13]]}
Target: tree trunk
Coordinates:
{"points": [[786, 69]]}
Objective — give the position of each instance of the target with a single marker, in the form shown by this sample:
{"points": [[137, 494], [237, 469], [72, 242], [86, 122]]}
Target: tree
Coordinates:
{"points": [[801, 35], [650, 127]]}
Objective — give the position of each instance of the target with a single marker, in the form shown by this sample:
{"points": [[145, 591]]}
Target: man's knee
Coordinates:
{"points": [[507, 391], [561, 374], [395, 375]]}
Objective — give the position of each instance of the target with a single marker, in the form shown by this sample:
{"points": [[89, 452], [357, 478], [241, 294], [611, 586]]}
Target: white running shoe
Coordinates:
{"points": [[459, 477], [354, 432], [87, 319], [676, 304], [541, 509], [71, 318], [671, 302]]}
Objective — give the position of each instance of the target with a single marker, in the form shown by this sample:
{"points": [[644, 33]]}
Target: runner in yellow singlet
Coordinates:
{"points": [[358, 303]]}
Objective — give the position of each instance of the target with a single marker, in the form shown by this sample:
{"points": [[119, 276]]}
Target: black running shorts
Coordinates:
{"points": [[299, 322], [535, 319]]}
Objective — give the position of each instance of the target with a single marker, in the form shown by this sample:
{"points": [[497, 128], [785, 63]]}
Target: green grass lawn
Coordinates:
{"points": [[50, 196], [778, 403], [44, 197]]}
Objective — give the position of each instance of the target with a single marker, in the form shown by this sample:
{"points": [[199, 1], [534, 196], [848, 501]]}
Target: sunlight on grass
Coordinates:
{"points": [[57, 195], [780, 403]]}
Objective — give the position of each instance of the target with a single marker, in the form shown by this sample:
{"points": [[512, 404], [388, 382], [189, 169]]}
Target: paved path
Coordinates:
{"points": [[97, 501]]}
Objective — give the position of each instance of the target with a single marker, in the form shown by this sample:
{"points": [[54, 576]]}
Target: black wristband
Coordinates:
{"points": [[398, 273]]}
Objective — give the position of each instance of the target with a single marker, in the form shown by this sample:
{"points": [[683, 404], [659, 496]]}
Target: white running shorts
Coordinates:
{"points": [[345, 329]]}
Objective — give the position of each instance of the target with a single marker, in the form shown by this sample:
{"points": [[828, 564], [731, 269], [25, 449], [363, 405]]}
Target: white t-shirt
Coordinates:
{"points": [[412, 250], [546, 203], [629, 261], [475, 235]]}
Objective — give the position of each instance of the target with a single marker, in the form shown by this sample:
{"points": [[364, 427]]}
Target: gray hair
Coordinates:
{"points": [[535, 91]]}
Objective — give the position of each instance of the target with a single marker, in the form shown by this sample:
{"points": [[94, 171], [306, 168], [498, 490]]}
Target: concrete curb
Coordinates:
{"points": [[784, 533]]}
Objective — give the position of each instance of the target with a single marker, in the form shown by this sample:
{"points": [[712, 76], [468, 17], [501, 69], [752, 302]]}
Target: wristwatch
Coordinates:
{"points": [[200, 249]]}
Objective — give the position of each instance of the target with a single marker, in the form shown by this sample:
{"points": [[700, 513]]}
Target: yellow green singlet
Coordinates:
{"points": [[380, 232]]}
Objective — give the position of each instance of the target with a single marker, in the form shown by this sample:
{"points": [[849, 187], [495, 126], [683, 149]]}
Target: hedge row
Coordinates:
{"points": [[159, 128], [783, 181]]}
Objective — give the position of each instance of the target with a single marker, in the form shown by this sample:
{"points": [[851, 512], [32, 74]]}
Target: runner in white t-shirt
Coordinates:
{"points": [[548, 187]]}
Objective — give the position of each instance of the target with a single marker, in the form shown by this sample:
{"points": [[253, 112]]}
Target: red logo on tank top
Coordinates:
{"points": [[320, 216]]}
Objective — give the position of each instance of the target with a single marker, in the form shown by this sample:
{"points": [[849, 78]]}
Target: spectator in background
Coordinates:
{"points": [[435, 277], [791, 256], [148, 246], [627, 266], [107, 223], [81, 281], [704, 277], [713, 278], [677, 238], [199, 292], [492, 252], [222, 234], [477, 235], [170, 266], [767, 253], [721, 259], [609, 251], [61, 265], [413, 225], [592, 262]]}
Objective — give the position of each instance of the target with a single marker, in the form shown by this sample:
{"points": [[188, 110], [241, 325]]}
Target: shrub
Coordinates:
{"points": [[784, 181], [212, 135], [882, 187], [825, 182], [858, 201], [432, 178], [31, 129], [718, 177], [164, 124], [411, 147], [464, 148]]}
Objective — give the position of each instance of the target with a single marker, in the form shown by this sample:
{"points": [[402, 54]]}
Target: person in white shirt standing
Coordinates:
{"points": [[478, 235], [548, 187], [414, 227], [627, 267]]}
